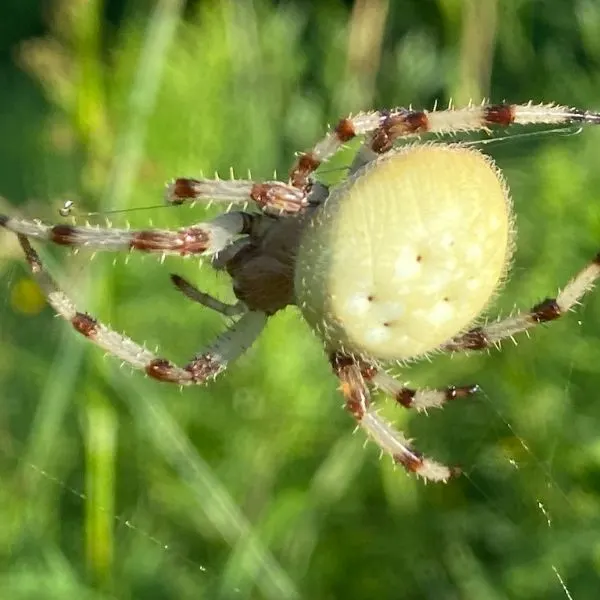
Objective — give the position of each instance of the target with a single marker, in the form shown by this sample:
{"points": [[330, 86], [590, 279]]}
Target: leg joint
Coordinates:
{"points": [[547, 310]]}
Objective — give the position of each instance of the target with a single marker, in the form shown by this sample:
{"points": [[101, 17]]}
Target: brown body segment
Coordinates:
{"points": [[345, 130], [85, 324], [278, 197], [307, 163], [185, 241], [198, 370], [406, 396], [397, 125], [352, 384], [182, 189], [545, 311], [64, 235], [499, 114]]}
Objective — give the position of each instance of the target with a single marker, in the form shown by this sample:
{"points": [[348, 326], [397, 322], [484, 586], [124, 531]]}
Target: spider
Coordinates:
{"points": [[397, 261]]}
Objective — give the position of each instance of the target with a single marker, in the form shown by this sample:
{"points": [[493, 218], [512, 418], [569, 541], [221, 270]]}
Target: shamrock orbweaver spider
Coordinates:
{"points": [[397, 261]]}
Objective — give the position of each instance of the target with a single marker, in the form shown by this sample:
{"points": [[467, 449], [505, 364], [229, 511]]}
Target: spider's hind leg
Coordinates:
{"points": [[390, 440], [548, 310], [420, 399]]}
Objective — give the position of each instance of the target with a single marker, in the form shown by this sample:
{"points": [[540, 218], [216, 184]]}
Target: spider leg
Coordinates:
{"points": [[227, 347], [549, 309], [273, 197], [358, 403], [203, 238], [193, 293], [384, 127], [421, 399]]}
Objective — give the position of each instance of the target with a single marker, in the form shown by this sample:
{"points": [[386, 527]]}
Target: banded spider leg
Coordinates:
{"points": [[550, 309], [355, 390], [204, 238], [272, 197], [383, 128], [208, 238]]}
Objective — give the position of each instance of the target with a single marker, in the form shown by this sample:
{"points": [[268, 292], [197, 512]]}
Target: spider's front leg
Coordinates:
{"points": [[202, 238], [549, 309], [358, 403], [226, 348], [384, 127], [273, 197]]}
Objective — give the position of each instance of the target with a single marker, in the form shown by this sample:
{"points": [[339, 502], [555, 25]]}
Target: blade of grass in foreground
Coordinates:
{"points": [[100, 458], [152, 418], [129, 150]]}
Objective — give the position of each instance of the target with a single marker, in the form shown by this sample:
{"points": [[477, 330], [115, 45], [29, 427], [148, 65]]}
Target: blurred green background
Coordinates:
{"points": [[112, 485]]}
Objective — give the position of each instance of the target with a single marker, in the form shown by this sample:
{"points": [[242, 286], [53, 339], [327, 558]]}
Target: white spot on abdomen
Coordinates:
{"points": [[440, 313], [377, 335], [357, 305], [408, 264]]}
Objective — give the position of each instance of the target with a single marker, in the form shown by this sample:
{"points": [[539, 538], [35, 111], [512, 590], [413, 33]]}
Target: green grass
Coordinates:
{"points": [[254, 486]]}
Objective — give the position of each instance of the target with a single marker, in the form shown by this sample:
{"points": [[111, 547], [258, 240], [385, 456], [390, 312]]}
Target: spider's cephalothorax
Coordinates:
{"points": [[397, 261]]}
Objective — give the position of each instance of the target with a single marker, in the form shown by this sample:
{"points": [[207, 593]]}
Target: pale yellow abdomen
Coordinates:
{"points": [[406, 253]]}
